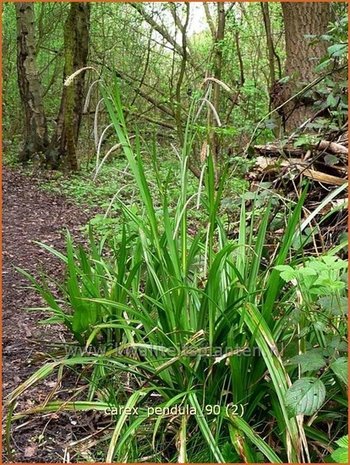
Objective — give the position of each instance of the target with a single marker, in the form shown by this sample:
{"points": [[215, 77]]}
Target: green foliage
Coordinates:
{"points": [[183, 296], [332, 91], [147, 66], [317, 276], [341, 454], [100, 194], [340, 369], [192, 318], [305, 396]]}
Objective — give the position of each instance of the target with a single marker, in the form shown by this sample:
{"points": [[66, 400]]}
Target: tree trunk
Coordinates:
{"points": [[181, 74], [218, 57], [269, 41], [303, 54], [62, 150], [35, 125]]}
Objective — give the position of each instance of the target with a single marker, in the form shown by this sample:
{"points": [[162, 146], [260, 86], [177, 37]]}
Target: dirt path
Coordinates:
{"points": [[29, 215]]}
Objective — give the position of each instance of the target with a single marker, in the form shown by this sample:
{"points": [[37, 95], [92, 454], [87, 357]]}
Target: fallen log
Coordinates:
{"points": [[274, 164]]}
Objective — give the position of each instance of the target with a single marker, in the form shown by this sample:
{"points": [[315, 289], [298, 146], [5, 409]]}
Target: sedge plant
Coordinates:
{"points": [[181, 328]]}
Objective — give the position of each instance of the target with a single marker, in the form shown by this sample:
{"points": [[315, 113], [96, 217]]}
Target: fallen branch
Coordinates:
{"points": [[323, 145], [323, 177], [273, 149], [332, 147], [274, 164]]}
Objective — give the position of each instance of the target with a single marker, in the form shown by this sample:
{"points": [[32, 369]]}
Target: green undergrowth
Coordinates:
{"points": [[201, 339], [116, 177]]}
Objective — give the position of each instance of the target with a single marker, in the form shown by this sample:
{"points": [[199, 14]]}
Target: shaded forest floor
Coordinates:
{"points": [[30, 215]]}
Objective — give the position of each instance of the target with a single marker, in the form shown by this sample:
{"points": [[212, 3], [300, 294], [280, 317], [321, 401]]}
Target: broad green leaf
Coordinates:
{"points": [[332, 101], [309, 361], [340, 369], [305, 396], [287, 272]]}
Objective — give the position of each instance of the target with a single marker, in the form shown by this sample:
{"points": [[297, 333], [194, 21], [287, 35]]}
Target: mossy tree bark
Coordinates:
{"points": [[303, 53], [62, 150], [35, 125]]}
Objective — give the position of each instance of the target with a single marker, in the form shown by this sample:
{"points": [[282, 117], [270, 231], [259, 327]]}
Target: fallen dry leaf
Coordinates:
{"points": [[29, 451]]}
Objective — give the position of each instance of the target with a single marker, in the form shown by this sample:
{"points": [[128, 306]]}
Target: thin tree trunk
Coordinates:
{"points": [[35, 125], [178, 112], [220, 34], [269, 41], [240, 59], [63, 145]]}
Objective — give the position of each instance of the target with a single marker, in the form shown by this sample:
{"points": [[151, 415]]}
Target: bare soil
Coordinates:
{"points": [[31, 214]]}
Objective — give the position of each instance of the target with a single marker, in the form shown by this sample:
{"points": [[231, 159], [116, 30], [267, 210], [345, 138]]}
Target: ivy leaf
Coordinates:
{"points": [[305, 396], [340, 369]]}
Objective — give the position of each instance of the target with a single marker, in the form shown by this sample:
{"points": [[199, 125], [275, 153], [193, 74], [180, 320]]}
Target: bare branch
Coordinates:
{"points": [[161, 30], [209, 20]]}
